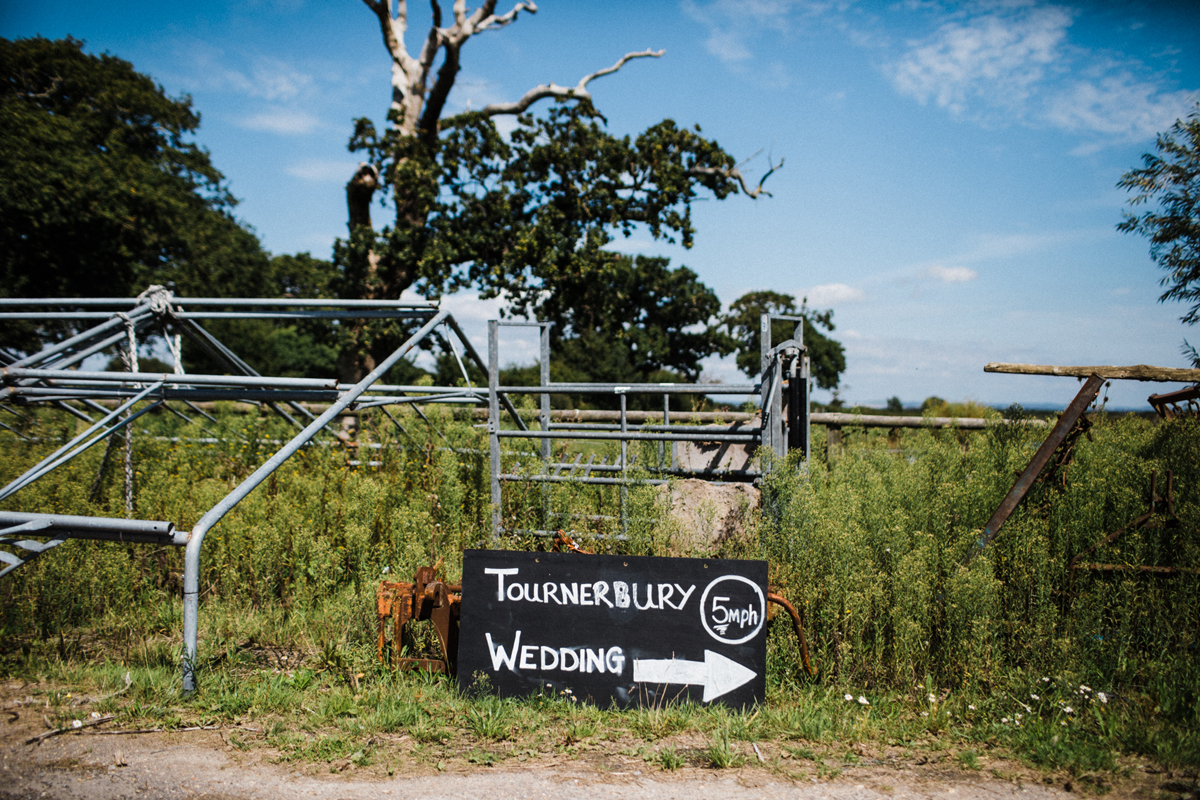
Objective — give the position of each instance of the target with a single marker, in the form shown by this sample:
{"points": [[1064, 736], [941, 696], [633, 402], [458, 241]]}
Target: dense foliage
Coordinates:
{"points": [[1170, 179]]}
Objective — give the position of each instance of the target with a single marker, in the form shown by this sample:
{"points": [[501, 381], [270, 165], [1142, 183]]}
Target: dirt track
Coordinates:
{"points": [[203, 764]]}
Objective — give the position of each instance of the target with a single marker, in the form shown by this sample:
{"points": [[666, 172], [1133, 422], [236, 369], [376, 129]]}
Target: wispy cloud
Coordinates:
{"points": [[995, 58], [944, 274], [322, 170], [829, 294], [736, 28], [285, 122], [1018, 63]]}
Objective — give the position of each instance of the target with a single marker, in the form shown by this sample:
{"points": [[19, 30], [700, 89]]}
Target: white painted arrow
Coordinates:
{"points": [[716, 673]]}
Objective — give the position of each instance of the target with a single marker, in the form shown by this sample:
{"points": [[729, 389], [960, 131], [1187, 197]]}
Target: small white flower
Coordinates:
{"points": [[1035, 697], [1063, 723], [971, 707], [849, 698], [1045, 680], [1068, 709], [1083, 689], [76, 723], [1103, 697], [1018, 716], [932, 699], [862, 701], [1004, 720], [95, 715], [924, 713]]}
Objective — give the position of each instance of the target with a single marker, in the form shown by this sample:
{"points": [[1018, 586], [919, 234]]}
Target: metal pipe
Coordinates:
{"points": [[632, 436], [191, 573], [634, 388], [81, 525]]}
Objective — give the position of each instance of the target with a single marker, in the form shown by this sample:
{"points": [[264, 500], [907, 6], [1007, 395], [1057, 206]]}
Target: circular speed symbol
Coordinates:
{"points": [[733, 609]]}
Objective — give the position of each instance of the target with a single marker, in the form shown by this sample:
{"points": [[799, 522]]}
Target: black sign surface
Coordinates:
{"points": [[623, 630]]}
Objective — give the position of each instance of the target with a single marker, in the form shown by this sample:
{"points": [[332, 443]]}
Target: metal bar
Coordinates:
{"points": [[635, 388], [513, 478], [61, 454], [1039, 461], [365, 314], [71, 522], [494, 424], [191, 577], [631, 436], [67, 344], [604, 426], [266, 302], [474, 356]]}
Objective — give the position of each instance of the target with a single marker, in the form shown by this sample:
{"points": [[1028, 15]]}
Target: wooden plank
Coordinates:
{"points": [[1137, 372]]}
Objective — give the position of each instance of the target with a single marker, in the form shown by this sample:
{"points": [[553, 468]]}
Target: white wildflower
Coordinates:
{"points": [[932, 699], [1035, 697], [1004, 720], [849, 698], [1084, 689], [1068, 709], [1103, 697], [76, 723], [971, 707], [862, 701], [924, 713]]}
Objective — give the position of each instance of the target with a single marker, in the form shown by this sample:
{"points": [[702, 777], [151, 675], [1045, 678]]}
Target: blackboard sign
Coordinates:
{"points": [[623, 630]]}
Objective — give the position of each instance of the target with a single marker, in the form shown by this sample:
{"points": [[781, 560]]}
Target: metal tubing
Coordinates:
{"points": [[67, 344], [632, 436], [61, 454], [281, 302], [73, 523], [191, 574], [634, 388], [494, 424], [474, 355]]}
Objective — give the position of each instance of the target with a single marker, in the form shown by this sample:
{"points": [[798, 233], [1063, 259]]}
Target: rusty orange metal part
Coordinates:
{"points": [[425, 598]]}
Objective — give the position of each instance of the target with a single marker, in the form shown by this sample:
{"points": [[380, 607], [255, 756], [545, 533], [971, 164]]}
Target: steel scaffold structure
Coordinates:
{"points": [[53, 377]]}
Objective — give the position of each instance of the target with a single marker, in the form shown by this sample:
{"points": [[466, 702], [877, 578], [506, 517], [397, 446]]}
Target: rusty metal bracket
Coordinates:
{"points": [[426, 598], [1160, 515], [1060, 435], [1173, 405]]}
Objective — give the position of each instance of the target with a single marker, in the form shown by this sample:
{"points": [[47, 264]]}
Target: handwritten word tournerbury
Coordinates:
{"points": [[617, 594]]}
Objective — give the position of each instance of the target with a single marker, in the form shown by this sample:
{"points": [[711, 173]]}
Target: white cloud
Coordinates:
{"points": [[828, 294], [1018, 63], [1118, 106], [996, 58], [285, 122], [322, 170], [943, 274]]}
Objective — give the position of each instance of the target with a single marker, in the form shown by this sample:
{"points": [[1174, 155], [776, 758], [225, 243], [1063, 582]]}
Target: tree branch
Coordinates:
{"points": [[577, 92], [733, 173], [493, 22]]}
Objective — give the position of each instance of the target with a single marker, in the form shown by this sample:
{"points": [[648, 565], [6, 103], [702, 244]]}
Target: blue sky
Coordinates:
{"points": [[951, 168]]}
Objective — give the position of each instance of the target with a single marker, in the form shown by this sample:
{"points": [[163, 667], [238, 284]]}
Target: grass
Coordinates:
{"points": [[949, 662]]}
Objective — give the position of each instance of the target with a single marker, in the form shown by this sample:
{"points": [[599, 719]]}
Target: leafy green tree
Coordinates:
{"points": [[827, 357], [1170, 179], [101, 191], [525, 217]]}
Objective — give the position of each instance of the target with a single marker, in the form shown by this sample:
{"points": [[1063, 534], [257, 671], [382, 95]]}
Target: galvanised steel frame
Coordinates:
{"points": [[783, 390], [48, 377], [51, 377]]}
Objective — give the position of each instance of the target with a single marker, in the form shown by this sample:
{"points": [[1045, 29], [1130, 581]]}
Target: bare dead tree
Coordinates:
{"points": [[418, 103]]}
